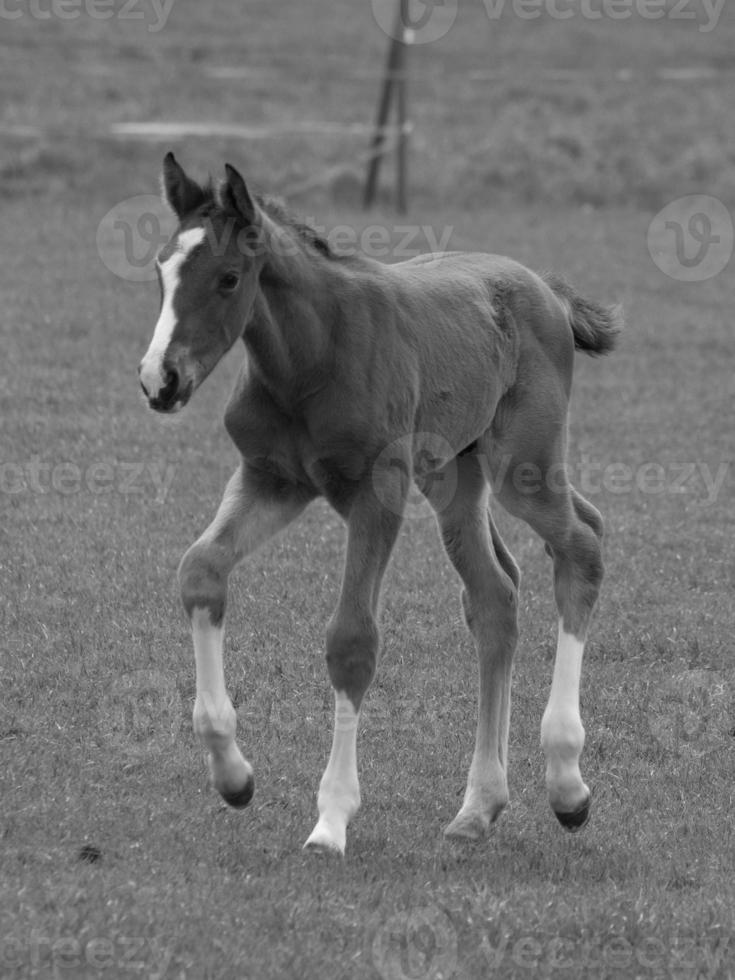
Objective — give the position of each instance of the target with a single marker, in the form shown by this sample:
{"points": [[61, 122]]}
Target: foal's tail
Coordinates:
{"points": [[596, 328]]}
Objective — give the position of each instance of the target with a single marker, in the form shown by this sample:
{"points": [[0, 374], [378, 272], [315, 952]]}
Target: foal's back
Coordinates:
{"points": [[473, 326]]}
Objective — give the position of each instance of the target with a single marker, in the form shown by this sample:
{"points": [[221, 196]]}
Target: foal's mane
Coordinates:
{"points": [[279, 212]]}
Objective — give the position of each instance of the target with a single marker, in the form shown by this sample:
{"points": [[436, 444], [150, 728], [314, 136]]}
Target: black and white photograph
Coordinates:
{"points": [[367, 538]]}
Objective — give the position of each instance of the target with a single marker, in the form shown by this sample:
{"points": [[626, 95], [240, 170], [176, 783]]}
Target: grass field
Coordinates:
{"points": [[99, 499]]}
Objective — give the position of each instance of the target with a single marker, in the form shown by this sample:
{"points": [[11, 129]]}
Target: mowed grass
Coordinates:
{"points": [[100, 498]]}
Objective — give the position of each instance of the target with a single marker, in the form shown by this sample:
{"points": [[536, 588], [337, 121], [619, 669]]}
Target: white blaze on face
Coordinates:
{"points": [[152, 374]]}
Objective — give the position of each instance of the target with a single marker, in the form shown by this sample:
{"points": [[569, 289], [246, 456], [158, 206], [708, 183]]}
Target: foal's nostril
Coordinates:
{"points": [[171, 385], [140, 378]]}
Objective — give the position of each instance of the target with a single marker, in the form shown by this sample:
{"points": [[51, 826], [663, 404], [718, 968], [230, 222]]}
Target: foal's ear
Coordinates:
{"points": [[236, 197], [181, 193]]}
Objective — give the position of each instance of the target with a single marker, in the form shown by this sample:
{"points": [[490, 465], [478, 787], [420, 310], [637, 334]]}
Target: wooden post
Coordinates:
{"points": [[393, 81], [401, 122]]}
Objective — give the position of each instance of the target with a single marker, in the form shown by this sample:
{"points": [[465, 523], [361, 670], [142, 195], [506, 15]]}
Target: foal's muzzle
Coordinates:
{"points": [[174, 393]]}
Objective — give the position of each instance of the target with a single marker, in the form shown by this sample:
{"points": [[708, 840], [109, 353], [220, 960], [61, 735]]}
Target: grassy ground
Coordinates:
{"points": [[99, 499]]}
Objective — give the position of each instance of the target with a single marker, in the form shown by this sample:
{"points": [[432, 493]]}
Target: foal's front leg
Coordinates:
{"points": [[251, 511], [353, 640]]}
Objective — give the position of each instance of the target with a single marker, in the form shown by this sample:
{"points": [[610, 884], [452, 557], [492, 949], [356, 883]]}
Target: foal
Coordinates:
{"points": [[464, 360]]}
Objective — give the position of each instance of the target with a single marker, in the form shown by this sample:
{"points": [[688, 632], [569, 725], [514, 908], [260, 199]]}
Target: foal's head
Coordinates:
{"points": [[208, 273]]}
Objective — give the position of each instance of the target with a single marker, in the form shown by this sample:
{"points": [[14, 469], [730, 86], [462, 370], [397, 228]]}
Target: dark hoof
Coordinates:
{"points": [[575, 820], [240, 799]]}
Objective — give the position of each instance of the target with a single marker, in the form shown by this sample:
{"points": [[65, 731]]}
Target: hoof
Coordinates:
{"points": [[575, 820], [326, 840], [328, 848], [240, 798], [467, 827]]}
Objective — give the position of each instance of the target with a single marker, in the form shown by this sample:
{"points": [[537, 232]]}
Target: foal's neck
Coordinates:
{"points": [[291, 334]]}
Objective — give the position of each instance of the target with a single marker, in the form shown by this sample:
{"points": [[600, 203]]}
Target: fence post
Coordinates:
{"points": [[394, 81]]}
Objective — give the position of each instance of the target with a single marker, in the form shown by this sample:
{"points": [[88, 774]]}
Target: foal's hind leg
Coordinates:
{"points": [[572, 530], [252, 510], [578, 574], [490, 600]]}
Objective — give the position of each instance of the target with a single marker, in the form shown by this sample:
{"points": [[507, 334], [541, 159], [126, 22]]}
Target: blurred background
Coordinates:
{"points": [[587, 109]]}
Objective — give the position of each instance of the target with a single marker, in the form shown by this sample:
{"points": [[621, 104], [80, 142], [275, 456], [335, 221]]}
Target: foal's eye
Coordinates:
{"points": [[228, 282]]}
